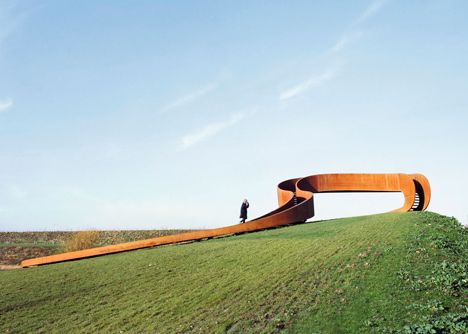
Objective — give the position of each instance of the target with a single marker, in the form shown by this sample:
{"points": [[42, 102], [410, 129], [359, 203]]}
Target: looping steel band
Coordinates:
{"points": [[296, 204]]}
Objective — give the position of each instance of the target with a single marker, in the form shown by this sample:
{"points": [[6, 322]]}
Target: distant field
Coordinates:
{"points": [[389, 273], [17, 246]]}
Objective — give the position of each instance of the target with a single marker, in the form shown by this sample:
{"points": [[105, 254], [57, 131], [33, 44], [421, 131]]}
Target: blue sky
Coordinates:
{"points": [[167, 114]]}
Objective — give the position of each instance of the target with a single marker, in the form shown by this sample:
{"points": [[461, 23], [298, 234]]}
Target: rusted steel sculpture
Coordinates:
{"points": [[296, 204]]}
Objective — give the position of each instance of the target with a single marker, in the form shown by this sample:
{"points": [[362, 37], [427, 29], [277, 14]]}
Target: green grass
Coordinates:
{"points": [[386, 273]]}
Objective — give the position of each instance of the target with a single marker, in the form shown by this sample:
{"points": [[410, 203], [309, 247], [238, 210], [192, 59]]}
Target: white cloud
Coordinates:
{"points": [[10, 19], [209, 130], [350, 36], [188, 98], [314, 81], [345, 40], [371, 10], [5, 104]]}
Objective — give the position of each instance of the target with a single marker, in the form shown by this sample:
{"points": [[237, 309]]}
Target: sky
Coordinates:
{"points": [[167, 114]]}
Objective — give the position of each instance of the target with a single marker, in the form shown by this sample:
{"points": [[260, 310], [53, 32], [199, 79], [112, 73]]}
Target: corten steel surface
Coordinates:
{"points": [[296, 204]]}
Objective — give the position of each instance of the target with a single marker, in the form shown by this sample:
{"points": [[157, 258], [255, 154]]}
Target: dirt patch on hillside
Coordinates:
{"points": [[18, 246], [8, 267], [13, 255]]}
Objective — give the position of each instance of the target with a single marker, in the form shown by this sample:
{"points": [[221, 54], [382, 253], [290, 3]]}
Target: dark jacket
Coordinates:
{"points": [[243, 210]]}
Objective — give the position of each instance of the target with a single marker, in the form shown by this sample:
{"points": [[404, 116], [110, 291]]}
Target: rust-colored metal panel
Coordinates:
{"points": [[296, 204]]}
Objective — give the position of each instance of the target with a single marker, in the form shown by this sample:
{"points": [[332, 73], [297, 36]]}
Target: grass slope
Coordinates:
{"points": [[385, 273]]}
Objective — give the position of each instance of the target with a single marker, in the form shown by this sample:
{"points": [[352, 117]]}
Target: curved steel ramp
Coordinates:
{"points": [[296, 204]]}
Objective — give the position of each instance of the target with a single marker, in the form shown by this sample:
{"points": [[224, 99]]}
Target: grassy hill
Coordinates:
{"points": [[389, 273]]}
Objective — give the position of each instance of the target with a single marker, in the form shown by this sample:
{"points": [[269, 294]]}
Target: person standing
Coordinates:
{"points": [[243, 211]]}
